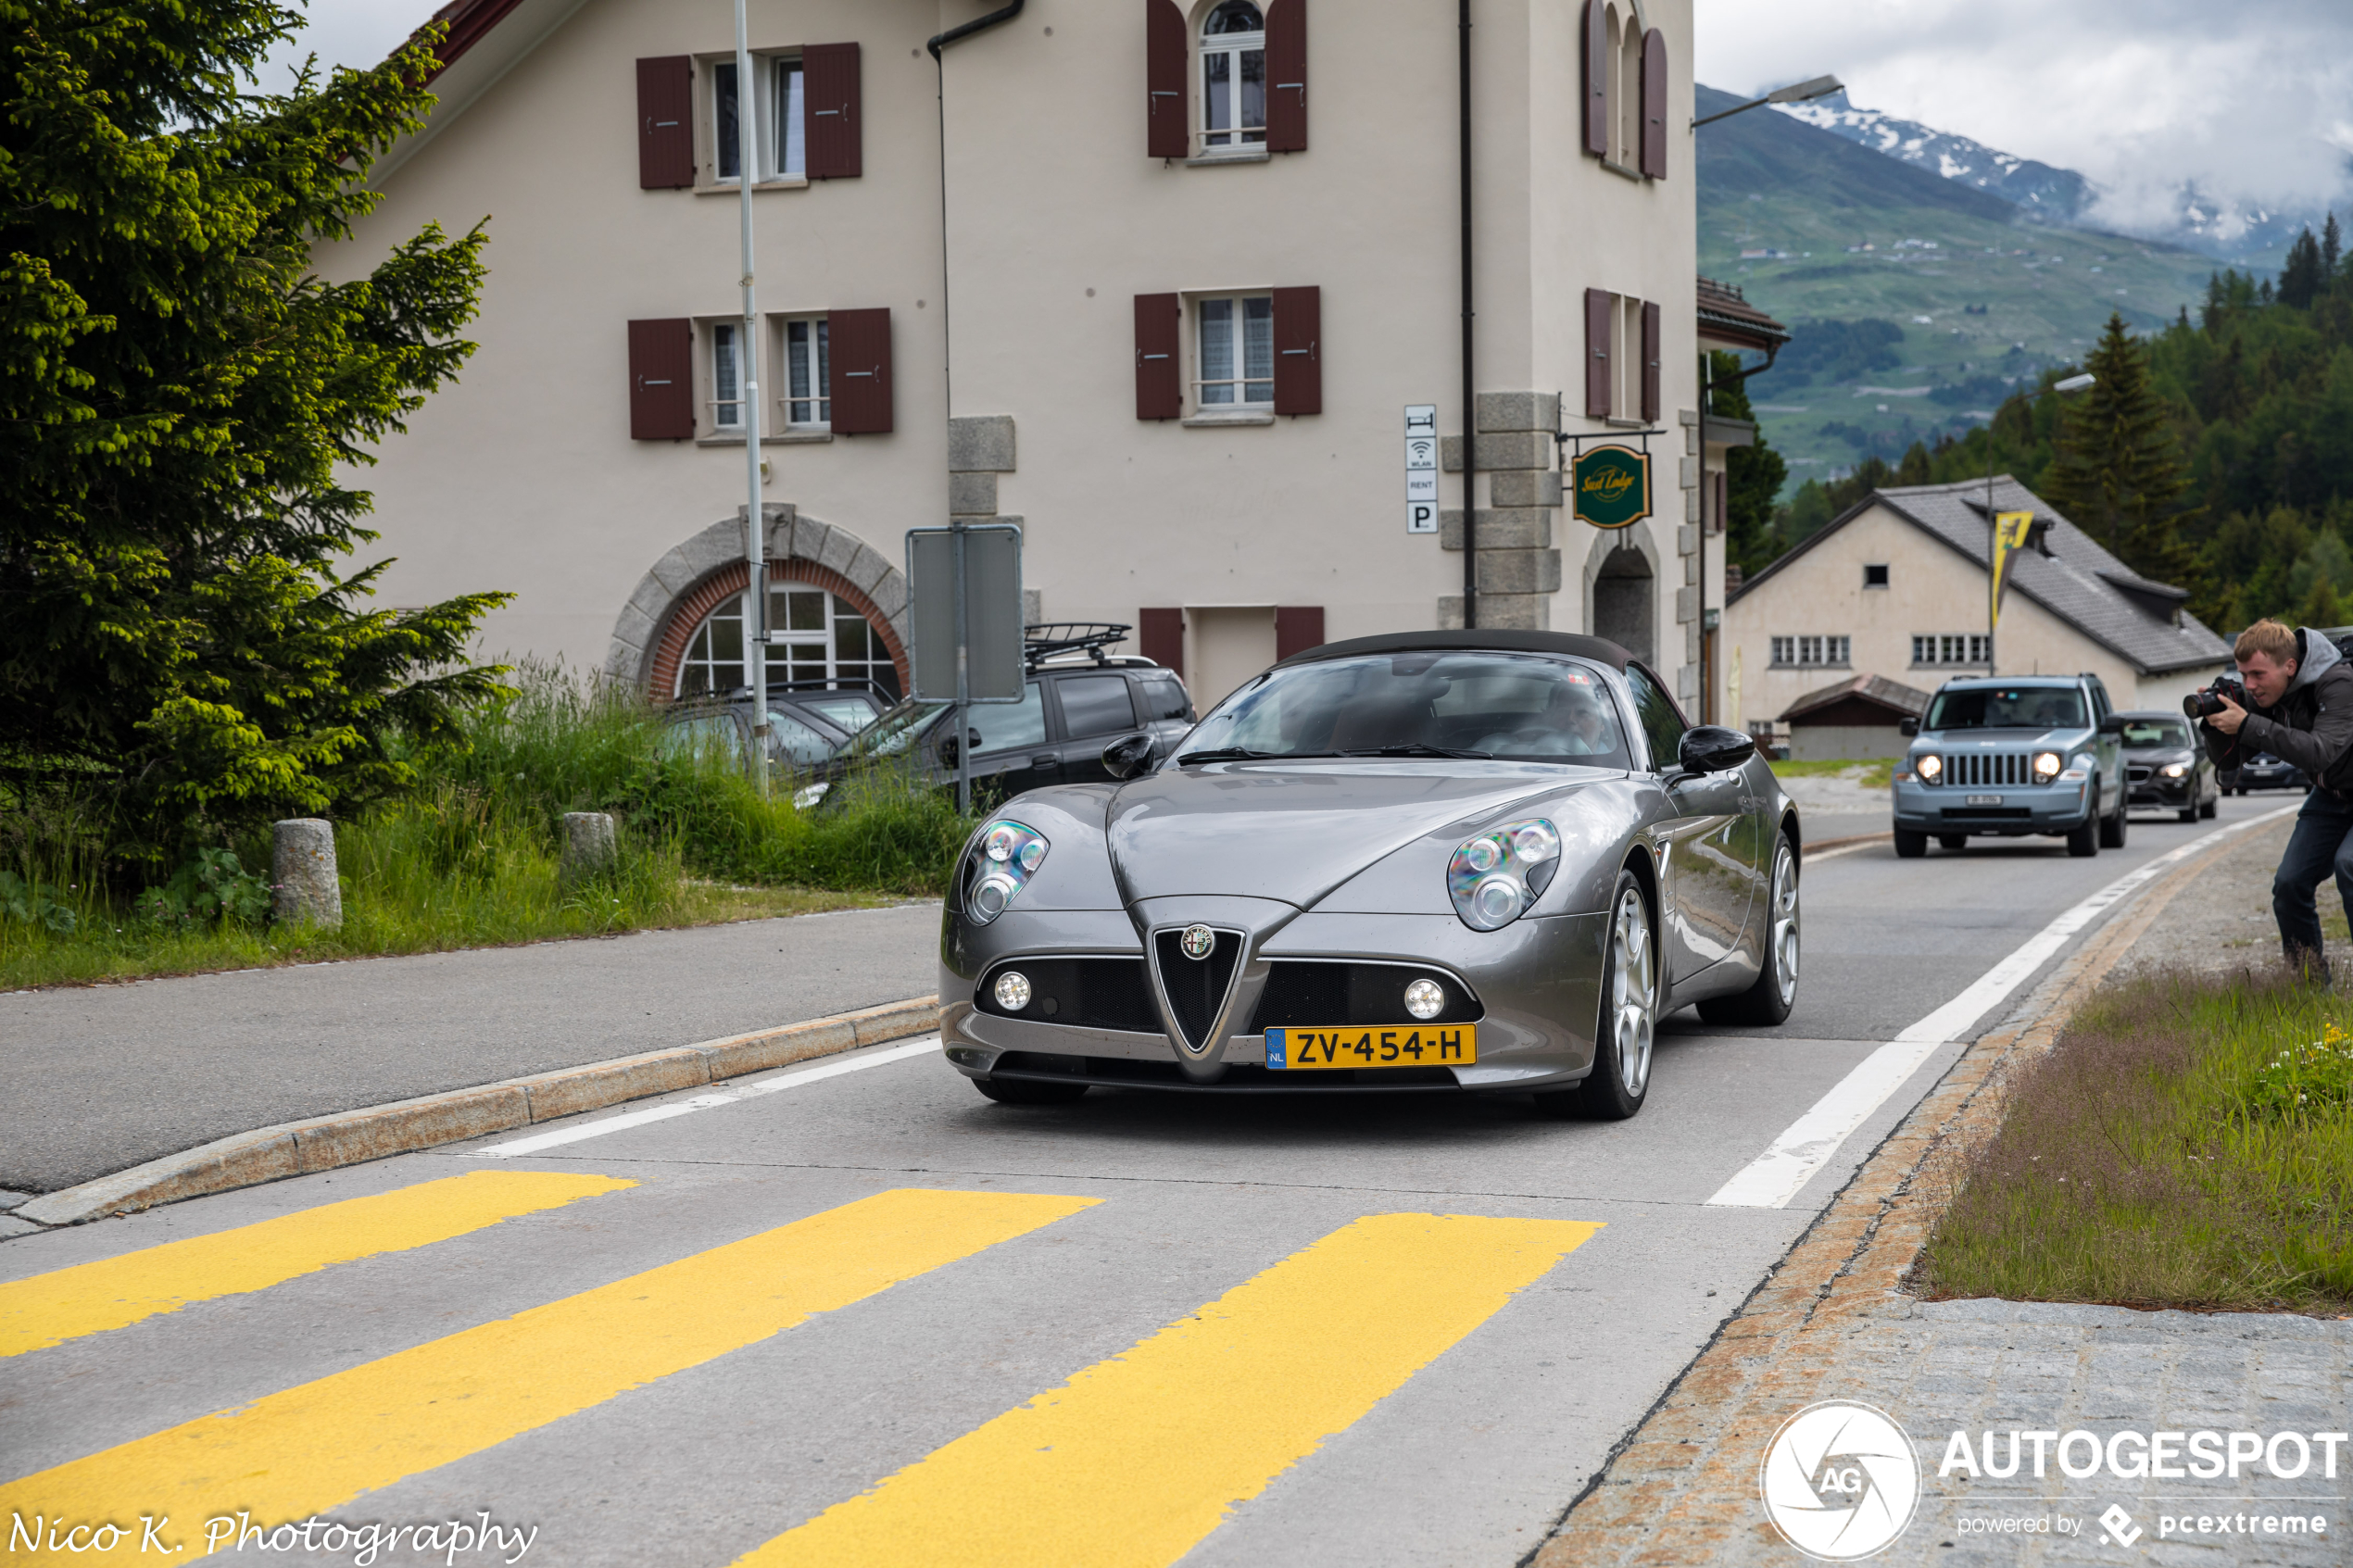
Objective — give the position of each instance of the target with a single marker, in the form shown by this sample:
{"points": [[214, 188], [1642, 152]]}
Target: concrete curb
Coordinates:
{"points": [[1680, 1487], [1850, 840], [403, 1126]]}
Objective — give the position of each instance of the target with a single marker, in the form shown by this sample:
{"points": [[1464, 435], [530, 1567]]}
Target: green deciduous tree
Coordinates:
{"points": [[2119, 471], [179, 397]]}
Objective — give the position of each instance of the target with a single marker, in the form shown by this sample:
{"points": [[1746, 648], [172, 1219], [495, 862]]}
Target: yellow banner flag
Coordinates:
{"points": [[2009, 538]]}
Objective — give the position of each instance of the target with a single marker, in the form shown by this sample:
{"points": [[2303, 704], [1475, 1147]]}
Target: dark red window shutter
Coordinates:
{"points": [[662, 380], [1298, 354], [1655, 103], [1597, 63], [1166, 133], [665, 122], [1296, 629], [1286, 76], [1599, 307], [1160, 633], [1159, 386], [830, 90], [858, 344], [1650, 330]]}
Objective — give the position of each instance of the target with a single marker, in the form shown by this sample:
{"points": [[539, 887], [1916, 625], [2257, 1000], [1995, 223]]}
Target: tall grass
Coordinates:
{"points": [[2188, 1143], [473, 857]]}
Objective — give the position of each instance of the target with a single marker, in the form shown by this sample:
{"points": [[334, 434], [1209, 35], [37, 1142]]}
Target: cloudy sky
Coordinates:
{"points": [[2252, 101]]}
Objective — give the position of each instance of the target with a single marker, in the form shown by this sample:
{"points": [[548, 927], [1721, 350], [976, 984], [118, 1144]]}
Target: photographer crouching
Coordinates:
{"points": [[2293, 697]]}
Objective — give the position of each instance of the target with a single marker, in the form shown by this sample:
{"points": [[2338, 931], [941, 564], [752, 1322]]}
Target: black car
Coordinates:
{"points": [[1077, 698], [2264, 771], [2165, 768], [805, 728]]}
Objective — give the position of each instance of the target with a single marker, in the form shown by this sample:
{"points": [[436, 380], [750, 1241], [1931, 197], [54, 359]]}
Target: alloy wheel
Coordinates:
{"points": [[1633, 992], [1784, 933]]}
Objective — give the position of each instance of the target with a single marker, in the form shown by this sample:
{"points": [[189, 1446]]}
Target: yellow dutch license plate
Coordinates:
{"points": [[1427, 1044]]}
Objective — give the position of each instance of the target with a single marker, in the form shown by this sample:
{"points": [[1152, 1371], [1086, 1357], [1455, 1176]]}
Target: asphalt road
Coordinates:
{"points": [[1134, 1329]]}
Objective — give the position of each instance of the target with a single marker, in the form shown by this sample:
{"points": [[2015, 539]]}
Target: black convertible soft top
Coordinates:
{"points": [[1500, 640]]}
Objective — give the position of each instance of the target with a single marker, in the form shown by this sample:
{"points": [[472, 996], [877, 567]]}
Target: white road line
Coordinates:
{"points": [[539, 1141], [1782, 1171]]}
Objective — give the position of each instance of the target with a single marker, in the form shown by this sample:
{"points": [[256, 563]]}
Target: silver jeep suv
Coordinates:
{"points": [[2032, 754]]}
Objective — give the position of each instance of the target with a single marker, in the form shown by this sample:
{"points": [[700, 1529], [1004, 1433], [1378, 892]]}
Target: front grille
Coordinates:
{"points": [[1970, 770], [1302, 993], [1197, 987], [2137, 773], [1987, 813], [1086, 993]]}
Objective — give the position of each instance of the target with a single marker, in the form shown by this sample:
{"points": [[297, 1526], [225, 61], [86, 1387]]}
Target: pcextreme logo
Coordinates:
{"points": [[1839, 1480]]}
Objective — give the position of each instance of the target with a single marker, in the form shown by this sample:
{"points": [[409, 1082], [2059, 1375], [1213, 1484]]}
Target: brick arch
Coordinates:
{"points": [[728, 582]]}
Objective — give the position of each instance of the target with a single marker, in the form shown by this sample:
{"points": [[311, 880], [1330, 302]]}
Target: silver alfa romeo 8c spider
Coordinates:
{"points": [[1478, 861]]}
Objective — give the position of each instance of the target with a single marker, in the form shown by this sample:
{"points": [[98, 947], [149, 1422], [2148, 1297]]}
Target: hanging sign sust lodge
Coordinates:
{"points": [[1611, 486]]}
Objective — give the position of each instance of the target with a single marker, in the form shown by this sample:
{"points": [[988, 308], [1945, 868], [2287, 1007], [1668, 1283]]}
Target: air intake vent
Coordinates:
{"points": [[1197, 987]]}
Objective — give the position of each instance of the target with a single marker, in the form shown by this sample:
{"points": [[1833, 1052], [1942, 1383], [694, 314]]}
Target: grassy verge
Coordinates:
{"points": [[473, 858], [1880, 774], [2188, 1143]]}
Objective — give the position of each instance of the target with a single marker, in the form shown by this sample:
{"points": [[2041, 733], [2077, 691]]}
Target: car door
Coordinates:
{"points": [[1013, 742], [1708, 875], [1164, 708], [1096, 710]]}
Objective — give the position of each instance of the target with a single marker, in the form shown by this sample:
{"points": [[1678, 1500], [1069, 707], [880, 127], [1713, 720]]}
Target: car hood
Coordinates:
{"points": [[2003, 740], [1294, 831]]}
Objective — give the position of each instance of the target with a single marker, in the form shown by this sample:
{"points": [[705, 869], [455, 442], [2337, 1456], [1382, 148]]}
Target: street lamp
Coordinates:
{"points": [[1796, 93], [1992, 528]]}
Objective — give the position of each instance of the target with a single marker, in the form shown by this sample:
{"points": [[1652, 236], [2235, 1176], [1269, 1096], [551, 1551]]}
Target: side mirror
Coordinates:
{"points": [[1127, 755], [1711, 749], [1907, 728], [2112, 725]]}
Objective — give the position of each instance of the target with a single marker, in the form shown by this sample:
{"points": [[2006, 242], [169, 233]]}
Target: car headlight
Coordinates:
{"points": [[2175, 769], [1930, 767], [998, 868], [2047, 765], [1494, 878]]}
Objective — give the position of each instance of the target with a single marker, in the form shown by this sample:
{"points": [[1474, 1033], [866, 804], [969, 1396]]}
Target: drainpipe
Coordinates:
{"points": [[936, 43], [1470, 383], [1708, 385]]}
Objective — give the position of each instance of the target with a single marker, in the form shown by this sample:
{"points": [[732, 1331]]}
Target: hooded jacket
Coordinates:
{"points": [[2313, 725]]}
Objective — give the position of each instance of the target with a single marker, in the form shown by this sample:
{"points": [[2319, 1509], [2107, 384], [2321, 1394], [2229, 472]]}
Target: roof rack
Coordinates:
{"points": [[1048, 639]]}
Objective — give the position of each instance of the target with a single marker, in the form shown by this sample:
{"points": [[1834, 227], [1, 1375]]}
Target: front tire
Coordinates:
{"points": [[2192, 812], [1626, 1029], [2211, 807], [1769, 1000], [2084, 841], [1910, 846], [2112, 828], [1028, 1091]]}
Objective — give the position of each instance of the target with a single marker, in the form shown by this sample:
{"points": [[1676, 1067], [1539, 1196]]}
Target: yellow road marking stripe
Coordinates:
{"points": [[91, 1298], [1134, 1459], [289, 1455]]}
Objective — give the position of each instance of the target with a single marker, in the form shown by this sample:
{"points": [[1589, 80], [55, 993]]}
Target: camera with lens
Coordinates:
{"points": [[2206, 704]]}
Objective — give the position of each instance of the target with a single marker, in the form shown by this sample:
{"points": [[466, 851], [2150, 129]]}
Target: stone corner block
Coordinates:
{"points": [[1501, 528], [1525, 487], [1518, 411], [972, 494], [980, 443], [1528, 571], [1686, 416], [1515, 612]]}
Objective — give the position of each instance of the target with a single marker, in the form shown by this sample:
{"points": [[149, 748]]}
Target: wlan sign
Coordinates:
{"points": [[1610, 486]]}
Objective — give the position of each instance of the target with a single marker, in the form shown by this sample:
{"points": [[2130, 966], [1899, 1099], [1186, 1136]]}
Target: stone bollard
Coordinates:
{"points": [[589, 845], [302, 873]]}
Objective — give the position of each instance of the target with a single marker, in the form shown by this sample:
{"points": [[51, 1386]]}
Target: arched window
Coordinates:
{"points": [[1233, 76], [818, 640], [1630, 95]]}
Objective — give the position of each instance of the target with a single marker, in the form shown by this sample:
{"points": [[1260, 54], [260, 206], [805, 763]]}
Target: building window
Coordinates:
{"points": [[1237, 358], [1814, 652], [817, 641], [1875, 577], [808, 399], [726, 377], [1233, 76], [1627, 84], [1950, 648], [779, 136]]}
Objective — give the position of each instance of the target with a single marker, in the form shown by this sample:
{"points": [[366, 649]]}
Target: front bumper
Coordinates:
{"points": [[2010, 810], [2158, 790], [1537, 983]]}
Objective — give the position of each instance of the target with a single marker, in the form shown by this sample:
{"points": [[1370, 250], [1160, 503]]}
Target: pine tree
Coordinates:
{"points": [[2301, 276], [2119, 471], [1913, 469], [1753, 475], [2331, 246]]}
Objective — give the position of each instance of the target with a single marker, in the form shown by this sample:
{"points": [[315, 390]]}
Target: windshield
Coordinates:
{"points": [[2156, 732], [1479, 704], [2008, 707], [897, 730]]}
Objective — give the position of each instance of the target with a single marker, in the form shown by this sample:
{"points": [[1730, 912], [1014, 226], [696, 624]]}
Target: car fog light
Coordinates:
{"points": [[1495, 901], [1930, 767], [1012, 990], [1424, 998], [2046, 766]]}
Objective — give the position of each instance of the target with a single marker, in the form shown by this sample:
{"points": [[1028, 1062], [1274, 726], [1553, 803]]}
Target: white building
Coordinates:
{"points": [[1118, 271]]}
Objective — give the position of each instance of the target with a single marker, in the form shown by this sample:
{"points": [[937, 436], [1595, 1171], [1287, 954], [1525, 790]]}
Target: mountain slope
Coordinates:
{"points": [[2040, 190]]}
